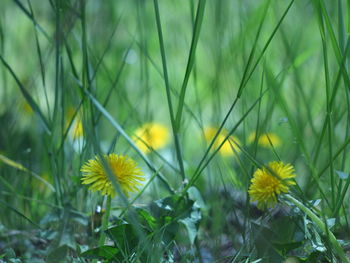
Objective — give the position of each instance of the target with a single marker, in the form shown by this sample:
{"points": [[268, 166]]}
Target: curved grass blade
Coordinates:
{"points": [[168, 91], [20, 167], [19, 213], [190, 62], [27, 96]]}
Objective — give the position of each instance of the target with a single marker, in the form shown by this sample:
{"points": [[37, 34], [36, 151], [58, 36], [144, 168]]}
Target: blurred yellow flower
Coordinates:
{"points": [[228, 148], [270, 181], [70, 113], [263, 139], [77, 129], [151, 136], [125, 170], [27, 108]]}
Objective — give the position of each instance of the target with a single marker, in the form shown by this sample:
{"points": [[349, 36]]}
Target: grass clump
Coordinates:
{"points": [[209, 131]]}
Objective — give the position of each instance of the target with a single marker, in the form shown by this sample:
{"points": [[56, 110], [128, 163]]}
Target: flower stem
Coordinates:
{"points": [[339, 250], [105, 222]]}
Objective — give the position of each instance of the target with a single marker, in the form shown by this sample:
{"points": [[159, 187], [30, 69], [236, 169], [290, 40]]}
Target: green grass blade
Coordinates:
{"points": [[168, 91], [27, 96], [191, 60]]}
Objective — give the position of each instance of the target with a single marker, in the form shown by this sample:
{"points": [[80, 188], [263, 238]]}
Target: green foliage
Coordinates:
{"points": [[159, 227], [103, 252], [78, 78]]}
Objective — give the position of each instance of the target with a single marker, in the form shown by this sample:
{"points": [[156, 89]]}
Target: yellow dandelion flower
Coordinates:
{"points": [[270, 181], [151, 136], [125, 170], [228, 148], [264, 141]]}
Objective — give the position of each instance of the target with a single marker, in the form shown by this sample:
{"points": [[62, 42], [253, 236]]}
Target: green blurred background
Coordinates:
{"points": [[286, 60]]}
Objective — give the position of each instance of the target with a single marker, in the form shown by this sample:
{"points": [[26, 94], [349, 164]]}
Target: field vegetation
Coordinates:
{"points": [[174, 131]]}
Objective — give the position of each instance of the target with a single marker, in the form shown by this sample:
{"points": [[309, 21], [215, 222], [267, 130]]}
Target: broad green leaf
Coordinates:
{"points": [[191, 224], [103, 252], [195, 196], [58, 255], [124, 236]]}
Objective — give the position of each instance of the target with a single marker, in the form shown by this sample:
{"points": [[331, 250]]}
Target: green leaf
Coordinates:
{"points": [[195, 196], [103, 252], [146, 219], [80, 219], [284, 248], [124, 236], [168, 211], [173, 206], [50, 218], [191, 224], [58, 255], [173, 210]]}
